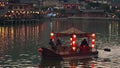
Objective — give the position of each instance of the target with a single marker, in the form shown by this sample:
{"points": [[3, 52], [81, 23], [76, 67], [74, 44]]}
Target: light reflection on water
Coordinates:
{"points": [[19, 44]]}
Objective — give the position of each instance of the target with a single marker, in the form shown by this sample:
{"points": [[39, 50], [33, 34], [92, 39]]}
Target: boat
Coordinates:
{"points": [[72, 48]]}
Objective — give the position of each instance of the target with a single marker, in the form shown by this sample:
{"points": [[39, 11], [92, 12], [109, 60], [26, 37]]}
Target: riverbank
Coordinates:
{"points": [[88, 18], [23, 21]]}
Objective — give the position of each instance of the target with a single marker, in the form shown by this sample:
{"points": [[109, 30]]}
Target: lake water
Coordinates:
{"points": [[19, 43]]}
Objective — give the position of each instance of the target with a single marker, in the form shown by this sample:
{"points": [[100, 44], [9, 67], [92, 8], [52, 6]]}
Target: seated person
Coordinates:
{"points": [[84, 42], [58, 42], [52, 44]]}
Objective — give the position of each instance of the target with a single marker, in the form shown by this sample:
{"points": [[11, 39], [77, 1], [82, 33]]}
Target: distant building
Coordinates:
{"points": [[99, 1], [93, 13], [3, 7], [51, 3], [115, 3], [20, 10]]}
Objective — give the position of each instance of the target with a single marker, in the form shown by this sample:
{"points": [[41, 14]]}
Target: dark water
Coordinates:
{"points": [[19, 44]]}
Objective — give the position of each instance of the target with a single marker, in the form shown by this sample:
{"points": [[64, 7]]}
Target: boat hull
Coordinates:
{"points": [[49, 54]]}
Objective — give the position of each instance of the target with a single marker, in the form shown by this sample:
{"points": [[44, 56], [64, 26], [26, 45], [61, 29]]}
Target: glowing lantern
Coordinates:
{"points": [[74, 37], [93, 40], [93, 36], [74, 42], [74, 48], [52, 36], [70, 41]]}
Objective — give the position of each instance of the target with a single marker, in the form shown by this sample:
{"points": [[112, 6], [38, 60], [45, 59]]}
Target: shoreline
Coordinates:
{"points": [[15, 21], [87, 18]]}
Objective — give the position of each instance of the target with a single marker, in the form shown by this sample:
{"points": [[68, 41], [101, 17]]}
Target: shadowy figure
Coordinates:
{"points": [[84, 42], [51, 43], [58, 42]]}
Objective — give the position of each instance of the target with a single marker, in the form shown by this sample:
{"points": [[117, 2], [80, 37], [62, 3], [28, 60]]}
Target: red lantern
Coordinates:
{"points": [[52, 36], [93, 40], [74, 37], [70, 41], [74, 42], [93, 36]]}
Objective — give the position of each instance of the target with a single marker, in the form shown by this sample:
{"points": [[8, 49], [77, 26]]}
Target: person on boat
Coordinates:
{"points": [[84, 43], [58, 42], [51, 43]]}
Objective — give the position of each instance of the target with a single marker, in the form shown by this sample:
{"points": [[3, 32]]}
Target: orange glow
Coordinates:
{"points": [[74, 36], [74, 48], [72, 66], [92, 65], [73, 41], [52, 36], [93, 45], [93, 40], [93, 35], [70, 39]]}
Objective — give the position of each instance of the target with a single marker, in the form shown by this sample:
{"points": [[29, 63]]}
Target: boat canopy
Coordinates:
{"points": [[71, 31], [74, 33]]}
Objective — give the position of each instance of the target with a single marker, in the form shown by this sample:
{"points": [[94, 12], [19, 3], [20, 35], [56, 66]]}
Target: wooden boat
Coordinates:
{"points": [[72, 49]]}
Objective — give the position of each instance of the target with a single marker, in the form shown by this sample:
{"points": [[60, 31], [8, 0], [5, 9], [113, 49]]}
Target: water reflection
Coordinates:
{"points": [[50, 63], [81, 63], [113, 31], [73, 63], [19, 43], [85, 63], [15, 37]]}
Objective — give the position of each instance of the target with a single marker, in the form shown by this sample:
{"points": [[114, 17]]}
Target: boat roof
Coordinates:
{"points": [[71, 31]]}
